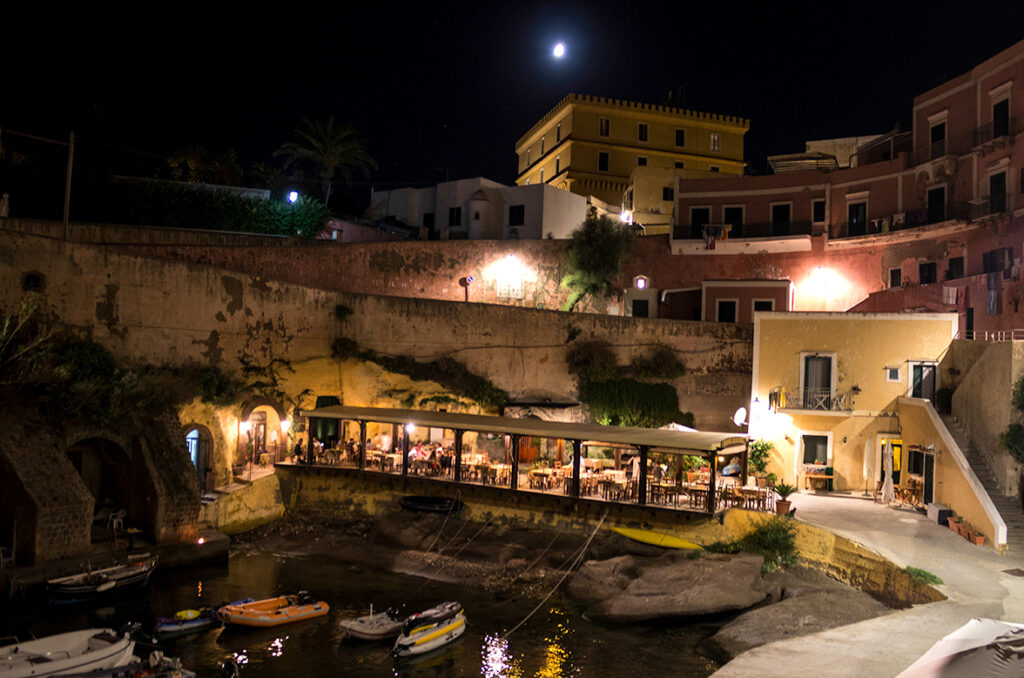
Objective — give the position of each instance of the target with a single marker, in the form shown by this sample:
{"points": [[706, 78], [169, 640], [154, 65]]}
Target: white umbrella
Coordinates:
{"points": [[981, 648], [888, 493]]}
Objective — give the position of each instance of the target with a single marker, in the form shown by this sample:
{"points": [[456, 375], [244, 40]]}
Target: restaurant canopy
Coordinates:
{"points": [[700, 443]]}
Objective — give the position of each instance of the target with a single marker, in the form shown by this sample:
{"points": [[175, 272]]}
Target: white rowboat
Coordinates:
{"points": [[387, 624], [66, 654]]}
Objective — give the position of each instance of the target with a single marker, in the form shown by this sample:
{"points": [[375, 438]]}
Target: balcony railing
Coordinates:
{"points": [[994, 130], [824, 399], [1000, 203], [950, 211], [774, 230]]}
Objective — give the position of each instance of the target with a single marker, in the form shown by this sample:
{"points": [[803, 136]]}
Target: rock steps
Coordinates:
{"points": [[1009, 507]]}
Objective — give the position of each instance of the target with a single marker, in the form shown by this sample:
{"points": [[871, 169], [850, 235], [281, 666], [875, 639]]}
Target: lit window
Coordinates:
{"points": [[716, 141], [604, 127]]}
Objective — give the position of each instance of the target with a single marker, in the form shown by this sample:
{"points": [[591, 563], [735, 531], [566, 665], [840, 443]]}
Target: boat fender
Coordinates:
{"points": [[186, 615]]}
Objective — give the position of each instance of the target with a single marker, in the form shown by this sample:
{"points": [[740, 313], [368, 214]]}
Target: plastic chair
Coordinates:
{"points": [[115, 520]]}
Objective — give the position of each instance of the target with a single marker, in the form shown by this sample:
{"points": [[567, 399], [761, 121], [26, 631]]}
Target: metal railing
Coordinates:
{"points": [[992, 335], [824, 399], [994, 130], [951, 211], [771, 230]]}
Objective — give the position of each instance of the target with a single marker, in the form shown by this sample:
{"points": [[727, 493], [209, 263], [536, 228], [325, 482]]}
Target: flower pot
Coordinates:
{"points": [[961, 529], [782, 506], [951, 524], [977, 539]]}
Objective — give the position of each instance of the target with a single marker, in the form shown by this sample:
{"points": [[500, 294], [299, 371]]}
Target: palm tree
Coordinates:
{"points": [[331, 149]]}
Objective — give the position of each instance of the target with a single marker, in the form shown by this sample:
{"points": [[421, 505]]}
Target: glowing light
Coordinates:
{"points": [[201, 541], [244, 426], [293, 196], [410, 427], [821, 288], [559, 50], [625, 216], [641, 283], [286, 424]]}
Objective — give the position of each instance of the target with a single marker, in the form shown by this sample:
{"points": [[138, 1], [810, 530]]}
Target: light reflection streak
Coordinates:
{"points": [[277, 647], [497, 663]]}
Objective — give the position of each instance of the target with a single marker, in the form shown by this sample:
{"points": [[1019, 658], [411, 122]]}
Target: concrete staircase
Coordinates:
{"points": [[1009, 507]]}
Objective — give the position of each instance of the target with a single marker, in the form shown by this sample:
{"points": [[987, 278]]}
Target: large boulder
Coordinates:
{"points": [[597, 580], [810, 602], [679, 585]]}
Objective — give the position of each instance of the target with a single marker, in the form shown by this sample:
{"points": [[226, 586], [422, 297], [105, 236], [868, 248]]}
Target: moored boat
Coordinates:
{"points": [[64, 654], [431, 629], [190, 621], [274, 611], [107, 581], [386, 624]]}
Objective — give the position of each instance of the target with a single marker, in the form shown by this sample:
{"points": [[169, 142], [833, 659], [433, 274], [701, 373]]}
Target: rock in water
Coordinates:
{"points": [[682, 586], [598, 580], [808, 613]]}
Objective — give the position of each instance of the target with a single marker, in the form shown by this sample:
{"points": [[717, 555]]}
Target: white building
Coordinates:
{"points": [[481, 209]]}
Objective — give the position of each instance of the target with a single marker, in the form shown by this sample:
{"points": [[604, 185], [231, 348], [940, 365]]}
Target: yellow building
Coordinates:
{"points": [[831, 390], [591, 146]]}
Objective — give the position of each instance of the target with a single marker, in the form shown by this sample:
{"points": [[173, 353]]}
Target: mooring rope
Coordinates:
{"points": [[576, 562], [451, 507]]}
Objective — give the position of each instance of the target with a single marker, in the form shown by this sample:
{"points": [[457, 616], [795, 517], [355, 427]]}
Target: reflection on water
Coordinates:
{"points": [[555, 643]]}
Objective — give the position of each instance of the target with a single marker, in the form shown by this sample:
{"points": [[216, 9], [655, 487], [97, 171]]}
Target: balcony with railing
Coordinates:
{"points": [[985, 206], [821, 399], [763, 230], [997, 129]]}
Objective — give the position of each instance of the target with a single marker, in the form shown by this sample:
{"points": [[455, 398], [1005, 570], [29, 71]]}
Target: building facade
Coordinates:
{"points": [[481, 209], [929, 219], [592, 146]]}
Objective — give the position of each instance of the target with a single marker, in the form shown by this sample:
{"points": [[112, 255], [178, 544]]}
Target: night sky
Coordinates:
{"points": [[445, 90]]}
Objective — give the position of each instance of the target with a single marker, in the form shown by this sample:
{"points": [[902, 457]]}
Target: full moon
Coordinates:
{"points": [[559, 50]]}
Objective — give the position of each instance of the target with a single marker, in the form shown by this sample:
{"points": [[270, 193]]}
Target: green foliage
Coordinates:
{"points": [[784, 490], [180, 206], [923, 576], [660, 362], [760, 455], [448, 372], [1012, 439], [1018, 394], [627, 402], [723, 547], [330, 150], [592, 361], [775, 539], [594, 257]]}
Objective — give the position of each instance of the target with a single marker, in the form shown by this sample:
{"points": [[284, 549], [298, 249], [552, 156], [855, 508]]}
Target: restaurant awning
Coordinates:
{"points": [[703, 443]]}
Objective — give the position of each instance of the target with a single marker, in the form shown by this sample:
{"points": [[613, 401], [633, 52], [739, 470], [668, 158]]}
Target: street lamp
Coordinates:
{"points": [[292, 197]]}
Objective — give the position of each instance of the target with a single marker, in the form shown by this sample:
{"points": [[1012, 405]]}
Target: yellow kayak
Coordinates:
{"points": [[665, 541]]}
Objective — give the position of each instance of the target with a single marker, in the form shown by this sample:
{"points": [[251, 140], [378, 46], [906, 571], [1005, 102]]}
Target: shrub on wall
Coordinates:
{"points": [[1018, 394], [181, 206], [592, 361], [1012, 439], [627, 402], [660, 362]]}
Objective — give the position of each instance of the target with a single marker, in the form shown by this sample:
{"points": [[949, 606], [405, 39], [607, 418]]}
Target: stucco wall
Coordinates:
{"points": [[956, 486], [246, 508], [981, 401]]}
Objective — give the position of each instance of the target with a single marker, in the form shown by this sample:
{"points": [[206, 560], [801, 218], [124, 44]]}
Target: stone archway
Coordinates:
{"points": [[201, 452], [105, 469], [263, 433]]}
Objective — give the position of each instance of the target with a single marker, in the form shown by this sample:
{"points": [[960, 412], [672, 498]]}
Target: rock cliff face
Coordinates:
{"points": [[677, 584]]}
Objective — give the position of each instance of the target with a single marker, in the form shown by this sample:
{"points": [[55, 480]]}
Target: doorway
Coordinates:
{"points": [[922, 383], [897, 459]]}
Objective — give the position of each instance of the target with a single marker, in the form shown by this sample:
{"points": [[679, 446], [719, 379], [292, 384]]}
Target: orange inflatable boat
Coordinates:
{"points": [[274, 611]]}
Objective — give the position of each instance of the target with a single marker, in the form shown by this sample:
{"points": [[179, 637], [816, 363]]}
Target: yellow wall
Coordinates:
{"points": [[580, 140], [862, 347], [952, 487]]}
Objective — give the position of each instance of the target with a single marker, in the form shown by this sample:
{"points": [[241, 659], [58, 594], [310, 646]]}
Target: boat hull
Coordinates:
{"points": [[429, 639], [66, 654], [372, 627], [272, 612], [102, 583]]}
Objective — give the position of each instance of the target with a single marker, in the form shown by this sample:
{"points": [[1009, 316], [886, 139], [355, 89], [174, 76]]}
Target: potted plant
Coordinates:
{"points": [[975, 537], [783, 505], [961, 527], [951, 524]]}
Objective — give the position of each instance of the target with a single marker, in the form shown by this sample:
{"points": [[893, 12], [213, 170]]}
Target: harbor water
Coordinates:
{"points": [[555, 641]]}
